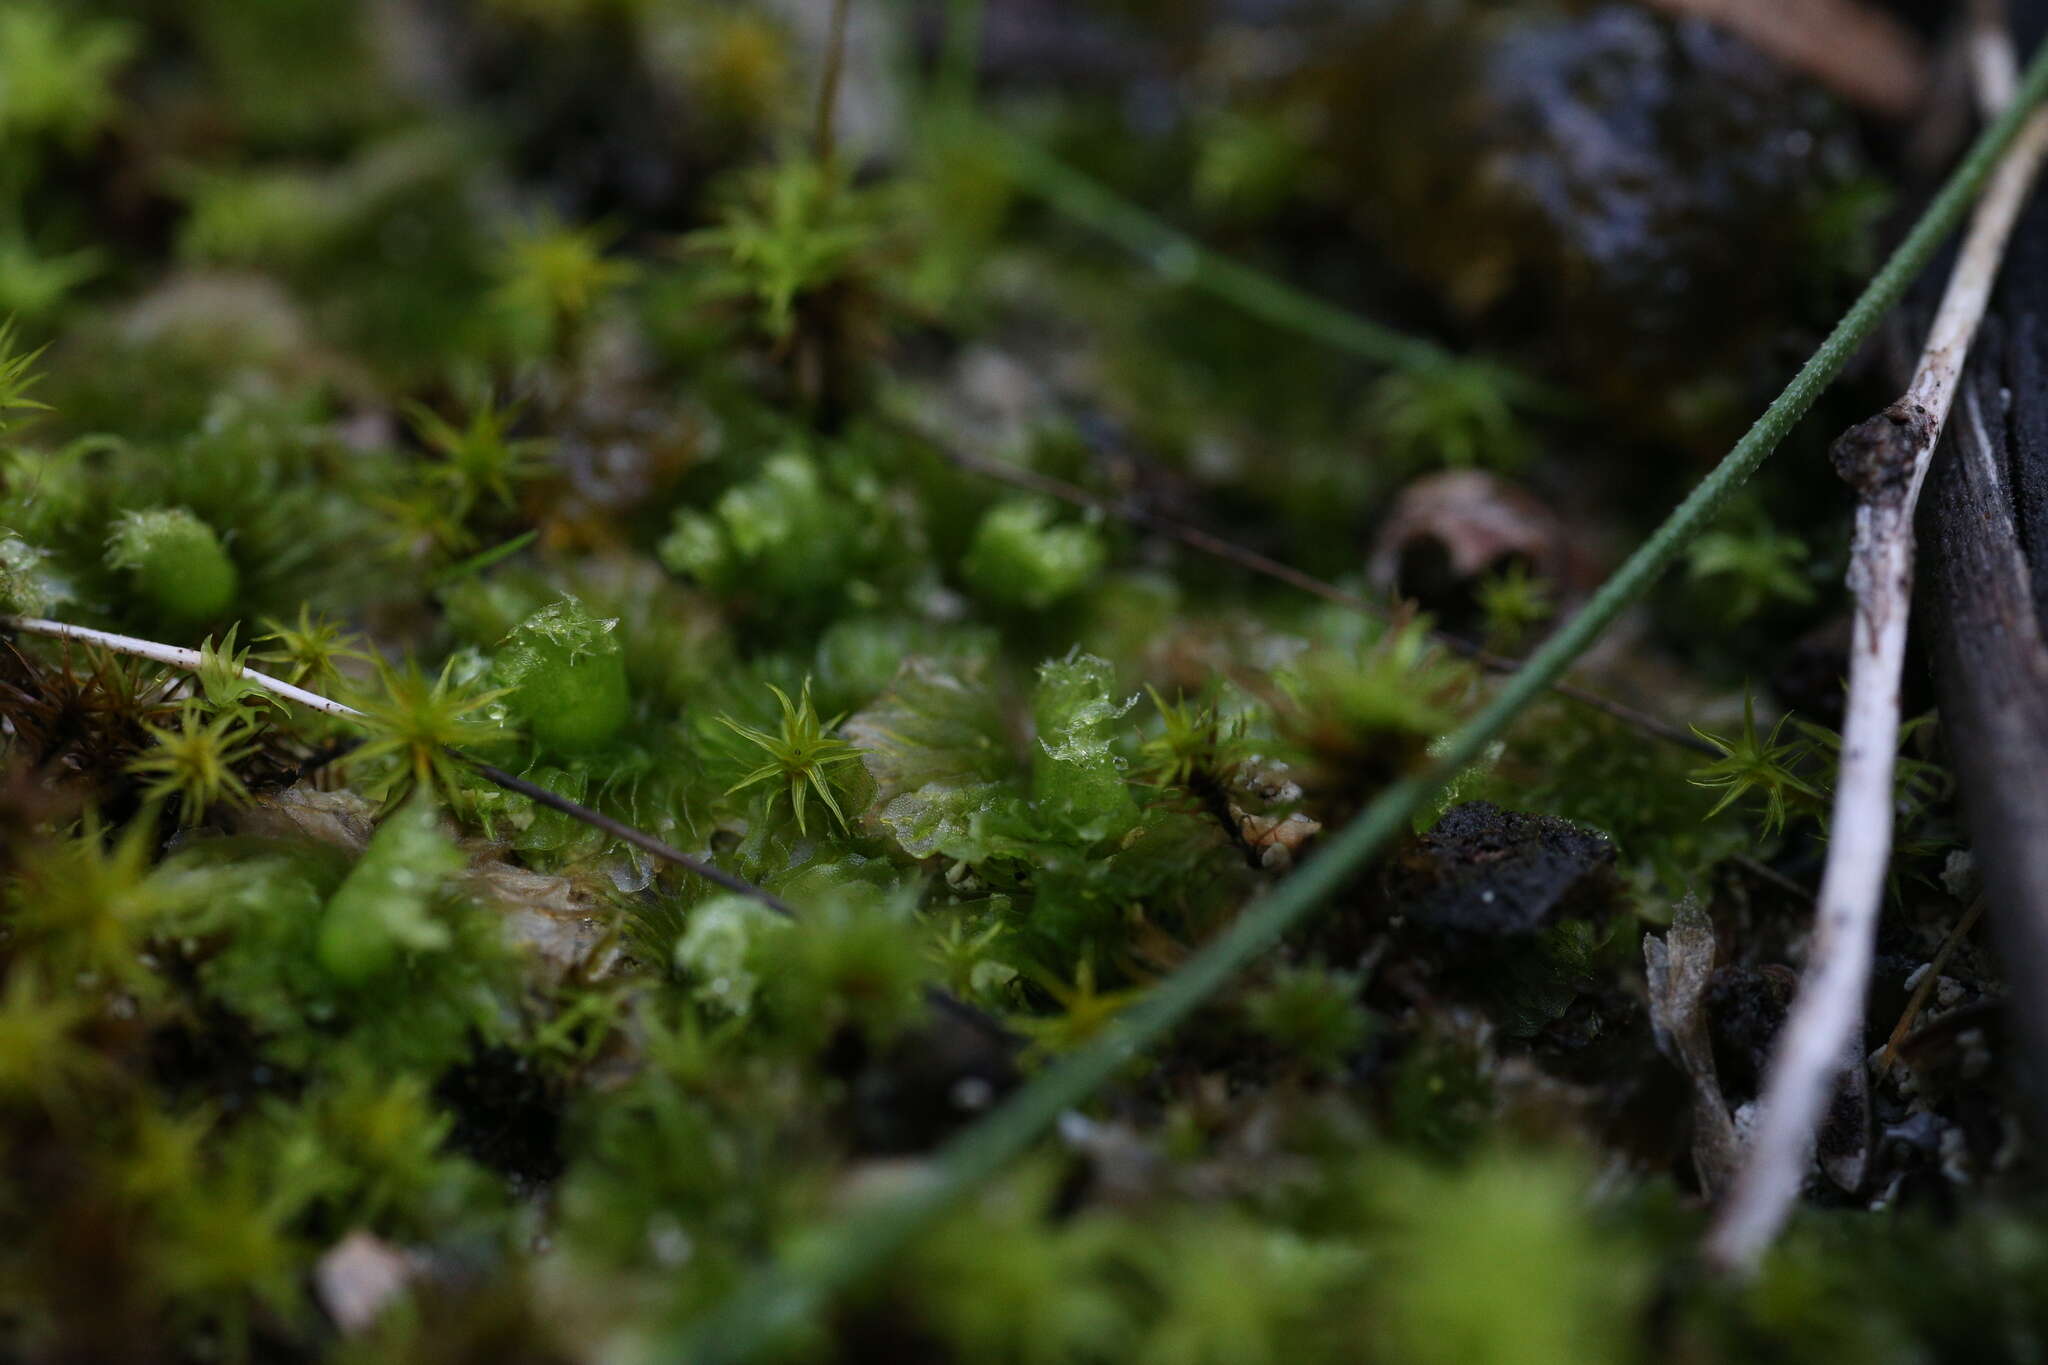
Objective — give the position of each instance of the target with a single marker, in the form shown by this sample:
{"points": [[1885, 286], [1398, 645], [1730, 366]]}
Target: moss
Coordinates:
{"points": [[567, 678], [1021, 558], [385, 906], [859, 964], [1077, 779], [25, 590], [715, 952], [176, 561], [1500, 1262], [533, 378], [1313, 1016], [68, 63]]}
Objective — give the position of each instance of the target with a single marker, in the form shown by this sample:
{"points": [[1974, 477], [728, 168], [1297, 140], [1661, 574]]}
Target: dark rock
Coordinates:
{"points": [[1807, 677], [1745, 1008], [1622, 194], [508, 1116], [928, 1084], [1490, 872]]}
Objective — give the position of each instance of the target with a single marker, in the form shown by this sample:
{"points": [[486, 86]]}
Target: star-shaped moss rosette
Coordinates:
{"points": [[801, 753]]}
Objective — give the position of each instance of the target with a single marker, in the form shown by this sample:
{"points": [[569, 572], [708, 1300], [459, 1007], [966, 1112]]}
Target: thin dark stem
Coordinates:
{"points": [[1216, 801], [828, 85], [1767, 873], [961, 56], [533, 791], [1918, 1001], [618, 829], [934, 996], [1215, 546]]}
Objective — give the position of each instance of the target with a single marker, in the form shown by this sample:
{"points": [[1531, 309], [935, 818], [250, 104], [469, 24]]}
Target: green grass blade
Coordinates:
{"points": [[1180, 257], [845, 1251], [1273, 301], [960, 54], [477, 563]]}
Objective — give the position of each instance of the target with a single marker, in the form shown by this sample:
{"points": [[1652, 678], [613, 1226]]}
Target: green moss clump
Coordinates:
{"points": [[715, 952], [25, 588], [385, 908], [1312, 1015], [175, 561], [64, 89], [780, 531], [697, 547], [1022, 558], [567, 678], [857, 963], [1498, 1262]]}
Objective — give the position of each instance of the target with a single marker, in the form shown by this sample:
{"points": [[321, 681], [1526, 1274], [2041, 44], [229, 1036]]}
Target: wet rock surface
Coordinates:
{"points": [[1628, 193], [1488, 872]]}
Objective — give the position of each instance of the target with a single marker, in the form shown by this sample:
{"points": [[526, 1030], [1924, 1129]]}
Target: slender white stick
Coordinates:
{"points": [[187, 659], [1886, 459], [1994, 66], [191, 660]]}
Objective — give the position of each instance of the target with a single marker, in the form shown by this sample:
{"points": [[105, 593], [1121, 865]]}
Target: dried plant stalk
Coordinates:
{"points": [[1885, 460]]}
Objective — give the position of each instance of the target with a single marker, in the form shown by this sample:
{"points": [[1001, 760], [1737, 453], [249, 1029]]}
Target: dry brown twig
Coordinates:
{"points": [[1885, 459], [828, 85], [1928, 980]]}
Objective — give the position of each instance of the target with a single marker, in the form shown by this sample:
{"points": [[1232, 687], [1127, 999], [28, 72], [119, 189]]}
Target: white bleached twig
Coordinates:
{"points": [[1994, 66], [1886, 460], [192, 661], [187, 659]]}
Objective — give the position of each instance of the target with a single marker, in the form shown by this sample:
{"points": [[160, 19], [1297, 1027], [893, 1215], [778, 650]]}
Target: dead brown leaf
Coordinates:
{"points": [[1859, 52]]}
